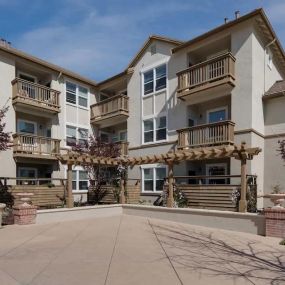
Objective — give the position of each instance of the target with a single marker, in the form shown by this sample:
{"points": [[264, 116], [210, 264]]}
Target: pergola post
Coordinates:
{"points": [[70, 202], [243, 203], [122, 192], [170, 198]]}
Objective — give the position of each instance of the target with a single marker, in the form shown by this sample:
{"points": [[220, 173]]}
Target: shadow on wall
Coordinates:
{"points": [[233, 259]]}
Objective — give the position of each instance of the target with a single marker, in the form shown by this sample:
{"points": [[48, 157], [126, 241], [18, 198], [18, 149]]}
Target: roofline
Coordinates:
{"points": [[254, 13], [146, 44], [49, 65], [116, 76]]}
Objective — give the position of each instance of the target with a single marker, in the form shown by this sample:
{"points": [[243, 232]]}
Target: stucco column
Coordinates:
{"points": [[70, 202], [170, 198], [243, 203]]}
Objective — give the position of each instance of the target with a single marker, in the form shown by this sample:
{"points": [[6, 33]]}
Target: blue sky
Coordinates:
{"points": [[99, 38]]}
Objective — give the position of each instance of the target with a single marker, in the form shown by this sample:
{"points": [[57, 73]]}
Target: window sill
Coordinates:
{"points": [[77, 106], [151, 193], [79, 191], [155, 142], [154, 93]]}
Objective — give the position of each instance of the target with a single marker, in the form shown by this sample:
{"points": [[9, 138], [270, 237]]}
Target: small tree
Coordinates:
{"points": [[97, 172], [4, 136]]}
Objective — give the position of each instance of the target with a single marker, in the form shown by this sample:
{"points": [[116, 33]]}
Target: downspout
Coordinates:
{"points": [[265, 49]]}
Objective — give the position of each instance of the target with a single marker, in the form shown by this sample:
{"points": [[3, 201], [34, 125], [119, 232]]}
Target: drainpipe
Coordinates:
{"points": [[265, 49]]}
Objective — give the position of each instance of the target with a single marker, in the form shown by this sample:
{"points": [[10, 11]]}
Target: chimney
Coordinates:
{"points": [[237, 14], [226, 20]]}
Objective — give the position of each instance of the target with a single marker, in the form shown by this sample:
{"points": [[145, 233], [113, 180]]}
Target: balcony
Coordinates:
{"points": [[123, 147], [111, 111], [220, 133], [29, 96], [31, 146], [212, 77]]}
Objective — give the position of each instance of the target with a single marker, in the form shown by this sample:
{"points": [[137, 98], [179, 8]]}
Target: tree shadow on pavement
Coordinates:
{"points": [[217, 255]]}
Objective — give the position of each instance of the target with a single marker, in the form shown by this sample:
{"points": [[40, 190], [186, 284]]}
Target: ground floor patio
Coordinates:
{"points": [[124, 249]]}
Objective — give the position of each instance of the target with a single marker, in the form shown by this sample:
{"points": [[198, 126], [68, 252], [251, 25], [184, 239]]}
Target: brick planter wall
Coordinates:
{"points": [[25, 215], [275, 222], [133, 194]]}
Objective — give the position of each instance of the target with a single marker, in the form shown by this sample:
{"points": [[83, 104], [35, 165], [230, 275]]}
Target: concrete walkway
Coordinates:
{"points": [[135, 250]]}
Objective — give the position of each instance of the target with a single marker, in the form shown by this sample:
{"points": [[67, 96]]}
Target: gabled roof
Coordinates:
{"points": [[276, 90], [15, 52], [138, 55], [148, 42], [262, 22]]}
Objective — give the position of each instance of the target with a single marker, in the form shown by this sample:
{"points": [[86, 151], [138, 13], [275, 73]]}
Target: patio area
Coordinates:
{"points": [[125, 249]]}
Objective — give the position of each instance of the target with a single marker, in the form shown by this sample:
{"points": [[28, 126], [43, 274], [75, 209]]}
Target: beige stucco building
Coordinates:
{"points": [[223, 87]]}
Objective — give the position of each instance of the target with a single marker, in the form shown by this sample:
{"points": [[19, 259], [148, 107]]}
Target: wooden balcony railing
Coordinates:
{"points": [[35, 145], [124, 147], [109, 107], [206, 135], [35, 94], [203, 73]]}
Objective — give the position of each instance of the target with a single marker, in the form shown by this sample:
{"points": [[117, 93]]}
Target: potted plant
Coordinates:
{"points": [[277, 197]]}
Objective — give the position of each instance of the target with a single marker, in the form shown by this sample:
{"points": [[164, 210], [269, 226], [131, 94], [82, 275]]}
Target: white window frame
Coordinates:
{"points": [[218, 109], [77, 190], [77, 95], [27, 121], [153, 167], [154, 79], [76, 131], [154, 119]]}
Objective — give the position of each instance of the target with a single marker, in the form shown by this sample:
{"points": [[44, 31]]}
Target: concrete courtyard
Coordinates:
{"points": [[126, 249]]}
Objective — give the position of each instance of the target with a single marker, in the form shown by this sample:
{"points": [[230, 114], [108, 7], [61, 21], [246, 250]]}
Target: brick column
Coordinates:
{"points": [[25, 214], [275, 222]]}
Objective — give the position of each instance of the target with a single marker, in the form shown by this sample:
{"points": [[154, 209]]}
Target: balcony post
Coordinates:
{"points": [[70, 202], [243, 203], [122, 192], [170, 198]]}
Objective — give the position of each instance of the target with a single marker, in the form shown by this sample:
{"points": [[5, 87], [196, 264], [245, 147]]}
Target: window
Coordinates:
{"points": [[216, 169], [82, 96], [153, 178], [70, 93], [123, 135], [217, 115], [82, 136], [105, 138], [79, 180], [155, 124], [154, 79], [76, 135], [160, 128], [148, 130], [76, 94], [26, 127], [160, 77], [70, 136], [148, 82]]}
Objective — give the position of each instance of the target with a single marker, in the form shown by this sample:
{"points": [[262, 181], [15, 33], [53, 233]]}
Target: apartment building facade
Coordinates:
{"points": [[223, 87]]}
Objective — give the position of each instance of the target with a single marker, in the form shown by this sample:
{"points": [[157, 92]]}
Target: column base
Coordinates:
{"points": [[25, 215], [242, 206]]}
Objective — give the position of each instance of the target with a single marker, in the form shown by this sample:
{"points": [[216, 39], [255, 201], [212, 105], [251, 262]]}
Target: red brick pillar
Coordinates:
{"points": [[275, 222], [25, 214]]}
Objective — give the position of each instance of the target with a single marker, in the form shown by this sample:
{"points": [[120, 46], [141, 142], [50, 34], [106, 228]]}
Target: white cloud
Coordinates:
{"points": [[98, 45]]}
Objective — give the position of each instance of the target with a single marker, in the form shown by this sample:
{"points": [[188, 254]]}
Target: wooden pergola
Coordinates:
{"points": [[241, 153]]}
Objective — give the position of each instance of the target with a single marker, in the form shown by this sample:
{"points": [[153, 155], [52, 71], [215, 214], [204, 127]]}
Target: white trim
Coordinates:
{"points": [[155, 64], [218, 109], [153, 167]]}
